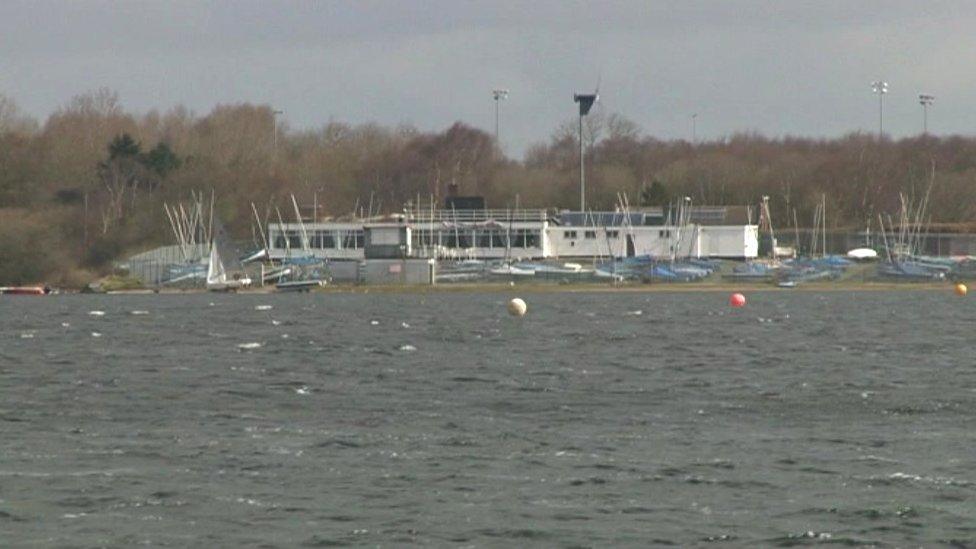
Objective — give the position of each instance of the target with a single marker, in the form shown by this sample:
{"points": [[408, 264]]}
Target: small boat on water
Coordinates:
{"points": [[24, 290]]}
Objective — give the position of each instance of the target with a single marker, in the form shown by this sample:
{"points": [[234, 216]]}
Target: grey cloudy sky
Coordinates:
{"points": [[780, 68]]}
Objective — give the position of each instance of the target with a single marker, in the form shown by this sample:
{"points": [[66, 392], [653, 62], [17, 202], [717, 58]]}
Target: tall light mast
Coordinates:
{"points": [[880, 87], [585, 101], [925, 100]]}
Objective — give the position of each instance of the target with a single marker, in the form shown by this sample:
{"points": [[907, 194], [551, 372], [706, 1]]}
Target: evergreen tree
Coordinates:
{"points": [[656, 194]]}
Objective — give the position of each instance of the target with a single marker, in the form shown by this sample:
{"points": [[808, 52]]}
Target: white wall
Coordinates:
{"points": [[561, 243], [655, 241], [726, 241], [730, 241]]}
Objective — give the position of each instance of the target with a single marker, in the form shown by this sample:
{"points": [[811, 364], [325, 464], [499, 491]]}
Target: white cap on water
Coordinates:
{"points": [[517, 307]]}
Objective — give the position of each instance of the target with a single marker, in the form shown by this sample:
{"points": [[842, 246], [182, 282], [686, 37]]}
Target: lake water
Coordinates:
{"points": [[599, 419]]}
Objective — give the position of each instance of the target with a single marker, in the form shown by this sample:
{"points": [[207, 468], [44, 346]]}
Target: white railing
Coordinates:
{"points": [[475, 216]]}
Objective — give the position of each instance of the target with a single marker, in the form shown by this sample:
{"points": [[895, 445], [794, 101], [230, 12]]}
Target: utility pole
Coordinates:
{"points": [[694, 129]]}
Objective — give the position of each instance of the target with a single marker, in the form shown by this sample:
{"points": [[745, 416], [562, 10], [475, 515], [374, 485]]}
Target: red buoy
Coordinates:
{"points": [[737, 300]]}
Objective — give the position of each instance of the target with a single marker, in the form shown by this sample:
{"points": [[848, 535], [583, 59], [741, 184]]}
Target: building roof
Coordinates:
{"points": [[699, 215]]}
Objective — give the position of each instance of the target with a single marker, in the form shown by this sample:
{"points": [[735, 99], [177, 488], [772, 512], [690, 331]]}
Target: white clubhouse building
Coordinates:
{"points": [[705, 232]]}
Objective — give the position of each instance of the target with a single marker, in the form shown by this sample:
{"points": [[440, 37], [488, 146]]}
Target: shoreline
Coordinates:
{"points": [[532, 288]]}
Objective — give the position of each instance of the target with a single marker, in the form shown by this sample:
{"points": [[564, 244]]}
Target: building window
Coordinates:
{"points": [[613, 234], [569, 234], [352, 239], [525, 238], [664, 234], [456, 238], [294, 240], [322, 240], [499, 240], [483, 239], [423, 238], [589, 234], [518, 238]]}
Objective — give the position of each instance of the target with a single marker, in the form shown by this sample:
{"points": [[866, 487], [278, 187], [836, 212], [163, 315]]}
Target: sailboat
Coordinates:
{"points": [[217, 276], [301, 273]]}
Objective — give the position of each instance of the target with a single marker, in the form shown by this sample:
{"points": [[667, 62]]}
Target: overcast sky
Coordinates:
{"points": [[776, 67]]}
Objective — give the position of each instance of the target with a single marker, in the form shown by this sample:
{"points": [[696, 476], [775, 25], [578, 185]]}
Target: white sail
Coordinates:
{"points": [[216, 275], [217, 280]]}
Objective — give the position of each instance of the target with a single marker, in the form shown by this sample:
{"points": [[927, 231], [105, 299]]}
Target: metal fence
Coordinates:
{"points": [[159, 265]]}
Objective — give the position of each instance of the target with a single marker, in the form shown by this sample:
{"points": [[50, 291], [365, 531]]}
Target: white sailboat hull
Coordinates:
{"points": [[229, 285]]}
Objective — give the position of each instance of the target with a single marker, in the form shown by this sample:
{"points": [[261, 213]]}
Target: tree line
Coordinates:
{"points": [[87, 185]]}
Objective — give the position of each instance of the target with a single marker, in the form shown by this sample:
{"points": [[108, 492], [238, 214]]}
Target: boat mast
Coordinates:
{"points": [[823, 218], [281, 225], [264, 237]]}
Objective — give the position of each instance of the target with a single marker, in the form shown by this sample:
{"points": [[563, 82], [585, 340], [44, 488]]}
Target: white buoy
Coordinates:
{"points": [[517, 307]]}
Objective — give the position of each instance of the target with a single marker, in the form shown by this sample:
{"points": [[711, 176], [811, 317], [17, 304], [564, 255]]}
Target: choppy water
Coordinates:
{"points": [[390, 420]]}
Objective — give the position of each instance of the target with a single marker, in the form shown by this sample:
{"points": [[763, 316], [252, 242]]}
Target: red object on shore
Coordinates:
{"points": [[23, 290], [737, 300]]}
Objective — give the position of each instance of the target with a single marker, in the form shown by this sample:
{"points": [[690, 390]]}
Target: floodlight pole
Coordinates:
{"points": [[880, 115], [498, 94], [274, 121], [880, 87], [925, 118], [694, 128], [582, 170], [925, 100], [496, 119], [585, 104]]}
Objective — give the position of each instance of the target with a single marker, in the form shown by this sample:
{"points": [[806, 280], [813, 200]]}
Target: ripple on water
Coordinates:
{"points": [[685, 425]]}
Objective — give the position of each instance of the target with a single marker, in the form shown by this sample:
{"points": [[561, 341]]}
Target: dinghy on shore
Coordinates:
{"points": [[862, 254], [24, 290], [217, 280]]}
